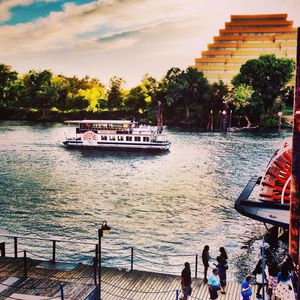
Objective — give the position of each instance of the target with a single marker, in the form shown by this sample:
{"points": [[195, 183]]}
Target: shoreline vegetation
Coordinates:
{"points": [[259, 96]]}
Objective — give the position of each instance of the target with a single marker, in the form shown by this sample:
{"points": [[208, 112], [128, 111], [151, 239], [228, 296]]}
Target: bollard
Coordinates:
{"points": [[62, 291], [196, 266], [177, 295], [25, 265], [131, 265]]}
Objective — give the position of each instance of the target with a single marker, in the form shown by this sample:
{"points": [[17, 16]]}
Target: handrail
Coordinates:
{"points": [[48, 239]]}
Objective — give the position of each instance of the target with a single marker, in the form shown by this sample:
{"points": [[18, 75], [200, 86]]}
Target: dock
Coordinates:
{"points": [[43, 280]]}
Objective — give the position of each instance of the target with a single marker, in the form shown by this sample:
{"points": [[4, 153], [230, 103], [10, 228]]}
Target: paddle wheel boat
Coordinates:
{"points": [[270, 202], [116, 134]]}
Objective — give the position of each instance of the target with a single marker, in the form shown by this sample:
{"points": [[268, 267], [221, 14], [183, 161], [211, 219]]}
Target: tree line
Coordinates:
{"points": [[258, 92]]}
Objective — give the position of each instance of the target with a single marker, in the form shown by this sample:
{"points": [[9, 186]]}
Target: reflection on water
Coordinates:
{"points": [[174, 202]]}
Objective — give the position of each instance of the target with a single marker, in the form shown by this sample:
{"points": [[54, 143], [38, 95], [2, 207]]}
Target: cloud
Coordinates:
{"points": [[6, 5], [64, 29]]}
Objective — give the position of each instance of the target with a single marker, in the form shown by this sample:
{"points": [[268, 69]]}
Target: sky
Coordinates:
{"points": [[124, 38]]}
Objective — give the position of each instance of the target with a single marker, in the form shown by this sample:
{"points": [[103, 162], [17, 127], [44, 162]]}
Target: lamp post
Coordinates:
{"points": [[102, 230], [279, 120], [262, 252]]}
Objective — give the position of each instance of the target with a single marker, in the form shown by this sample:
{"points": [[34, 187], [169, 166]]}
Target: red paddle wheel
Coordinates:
{"points": [[275, 185]]}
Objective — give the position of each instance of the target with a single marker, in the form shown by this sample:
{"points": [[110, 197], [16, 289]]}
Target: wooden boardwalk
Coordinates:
{"points": [[44, 279]]}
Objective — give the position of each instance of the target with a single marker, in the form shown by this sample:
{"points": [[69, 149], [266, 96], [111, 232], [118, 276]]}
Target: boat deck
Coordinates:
{"points": [[44, 282]]}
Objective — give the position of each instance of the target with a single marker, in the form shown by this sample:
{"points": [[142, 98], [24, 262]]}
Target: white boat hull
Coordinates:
{"points": [[128, 146]]}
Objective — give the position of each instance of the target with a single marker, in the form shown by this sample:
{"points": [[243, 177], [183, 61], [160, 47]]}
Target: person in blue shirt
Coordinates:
{"points": [[246, 289], [213, 284]]}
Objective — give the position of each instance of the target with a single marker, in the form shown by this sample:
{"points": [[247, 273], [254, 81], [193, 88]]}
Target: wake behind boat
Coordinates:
{"points": [[116, 134]]}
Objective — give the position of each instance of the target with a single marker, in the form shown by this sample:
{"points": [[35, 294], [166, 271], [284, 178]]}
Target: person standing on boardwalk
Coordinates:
{"points": [[246, 289], [272, 278], [213, 284], [186, 281], [259, 273], [205, 261], [222, 266], [284, 290]]}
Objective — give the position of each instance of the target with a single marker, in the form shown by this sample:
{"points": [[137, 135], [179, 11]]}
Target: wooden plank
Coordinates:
{"points": [[116, 284]]}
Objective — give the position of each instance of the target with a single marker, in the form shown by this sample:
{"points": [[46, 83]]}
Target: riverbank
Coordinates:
{"points": [[23, 114]]}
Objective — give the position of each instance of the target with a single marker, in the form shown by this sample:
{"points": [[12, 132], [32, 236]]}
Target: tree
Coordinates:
{"points": [[94, 91], [40, 93], [185, 91], [140, 97], [239, 97], [267, 76], [7, 85], [115, 95]]}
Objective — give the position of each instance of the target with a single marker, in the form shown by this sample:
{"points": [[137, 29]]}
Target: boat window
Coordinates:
{"points": [[137, 138], [103, 138], [120, 138], [112, 138], [128, 138], [146, 139]]}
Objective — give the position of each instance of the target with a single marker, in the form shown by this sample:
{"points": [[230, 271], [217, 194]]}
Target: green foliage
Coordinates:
{"points": [[183, 92], [269, 122], [115, 95], [260, 89], [267, 76], [239, 97], [39, 92], [8, 87]]}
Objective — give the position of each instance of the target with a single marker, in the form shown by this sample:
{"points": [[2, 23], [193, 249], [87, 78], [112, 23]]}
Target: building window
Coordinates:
{"points": [[146, 139], [128, 138], [103, 138], [137, 138]]}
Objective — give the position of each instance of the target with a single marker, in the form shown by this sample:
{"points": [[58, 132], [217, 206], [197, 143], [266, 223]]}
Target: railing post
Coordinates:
{"points": [[53, 251], [16, 246], [2, 248], [131, 264], [177, 294], [62, 291], [196, 266], [95, 270], [95, 264], [25, 264]]}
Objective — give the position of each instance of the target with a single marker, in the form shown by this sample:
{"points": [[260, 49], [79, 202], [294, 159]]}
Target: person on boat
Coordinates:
{"points": [[222, 266], [246, 289], [186, 281], [213, 284], [258, 277], [205, 260], [272, 278], [284, 289]]}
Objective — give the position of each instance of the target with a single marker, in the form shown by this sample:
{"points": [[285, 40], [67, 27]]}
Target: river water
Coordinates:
{"points": [[163, 205]]}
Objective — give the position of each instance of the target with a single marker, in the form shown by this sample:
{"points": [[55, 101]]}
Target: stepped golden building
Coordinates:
{"points": [[246, 37]]}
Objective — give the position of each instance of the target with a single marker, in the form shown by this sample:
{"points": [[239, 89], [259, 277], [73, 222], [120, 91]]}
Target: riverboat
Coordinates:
{"points": [[116, 134]]}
